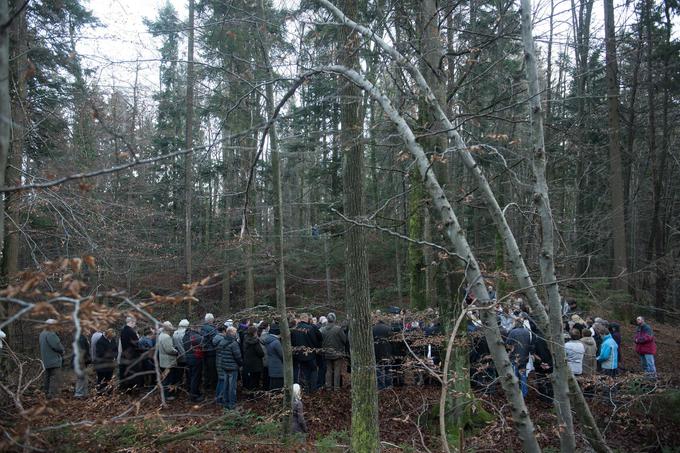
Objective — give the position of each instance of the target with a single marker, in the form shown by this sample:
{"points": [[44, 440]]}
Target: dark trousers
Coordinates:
{"points": [[195, 377], [275, 383], [209, 372], [173, 376], [321, 375], [104, 377], [251, 380], [265, 378], [305, 369]]}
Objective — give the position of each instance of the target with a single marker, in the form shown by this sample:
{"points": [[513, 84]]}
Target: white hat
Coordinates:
{"points": [[323, 320], [51, 321], [184, 323], [229, 322], [209, 317]]}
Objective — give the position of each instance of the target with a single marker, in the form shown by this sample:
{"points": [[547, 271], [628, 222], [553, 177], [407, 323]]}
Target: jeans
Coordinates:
{"points": [[384, 375], [81, 384], [309, 372], [226, 388], [648, 365], [522, 376], [195, 375]]}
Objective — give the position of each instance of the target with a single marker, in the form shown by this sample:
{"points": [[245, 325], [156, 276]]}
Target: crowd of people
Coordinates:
{"points": [[213, 357]]}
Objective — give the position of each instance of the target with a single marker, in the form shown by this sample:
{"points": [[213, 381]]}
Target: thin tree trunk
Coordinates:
{"points": [[615, 166], [278, 234], [547, 255], [5, 110], [188, 177]]}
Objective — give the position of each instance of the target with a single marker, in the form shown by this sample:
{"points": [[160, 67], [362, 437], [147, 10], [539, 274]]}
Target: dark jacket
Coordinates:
{"points": [[193, 347], [274, 356], [334, 342], [305, 339], [228, 356], [252, 354], [542, 351], [51, 349], [381, 341], [519, 339], [105, 354], [129, 343], [208, 332]]}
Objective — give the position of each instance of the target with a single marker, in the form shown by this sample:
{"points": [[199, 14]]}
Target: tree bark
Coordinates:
{"points": [[278, 234], [365, 433], [615, 166], [5, 110], [189, 136]]}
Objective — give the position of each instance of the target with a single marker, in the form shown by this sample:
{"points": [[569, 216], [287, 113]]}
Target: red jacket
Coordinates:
{"points": [[644, 340]]}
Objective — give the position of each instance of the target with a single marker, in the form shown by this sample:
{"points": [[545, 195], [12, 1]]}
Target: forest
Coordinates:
{"points": [[339, 225]]}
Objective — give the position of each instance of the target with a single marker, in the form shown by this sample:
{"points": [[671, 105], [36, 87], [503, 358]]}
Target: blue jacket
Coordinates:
{"points": [[609, 353], [274, 356]]}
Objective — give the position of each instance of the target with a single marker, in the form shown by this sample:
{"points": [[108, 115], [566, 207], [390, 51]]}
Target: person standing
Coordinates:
{"points": [[229, 360], [575, 350], [208, 332], [51, 354], [645, 346], [519, 341], [178, 343], [105, 359], [252, 359], [334, 344], [274, 357], [299, 423], [590, 355], [84, 359], [383, 354], [193, 354], [609, 351], [167, 360], [543, 363], [129, 355], [306, 339]]}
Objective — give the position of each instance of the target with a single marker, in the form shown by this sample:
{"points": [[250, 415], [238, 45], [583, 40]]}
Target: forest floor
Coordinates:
{"points": [[635, 415]]}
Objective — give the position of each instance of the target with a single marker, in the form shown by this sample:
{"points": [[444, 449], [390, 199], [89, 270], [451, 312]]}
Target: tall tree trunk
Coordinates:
{"points": [[188, 174], [5, 110], [547, 255], [615, 166], [10, 262], [365, 435], [226, 219], [278, 234]]}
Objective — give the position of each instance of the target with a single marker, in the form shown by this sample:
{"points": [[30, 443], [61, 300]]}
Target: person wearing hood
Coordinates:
{"points": [[305, 339], [178, 343], [334, 344], [609, 351], [51, 354], [274, 352], [252, 359], [105, 359], [229, 360], [128, 355], [208, 332], [193, 354], [590, 354], [167, 360]]}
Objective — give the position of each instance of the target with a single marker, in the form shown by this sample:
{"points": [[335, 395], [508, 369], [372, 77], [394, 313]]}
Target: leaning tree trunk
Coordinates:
{"points": [[365, 434], [547, 255], [278, 234]]}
